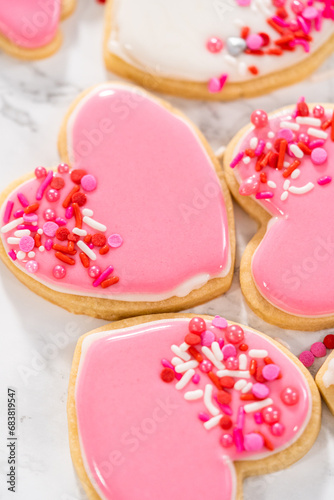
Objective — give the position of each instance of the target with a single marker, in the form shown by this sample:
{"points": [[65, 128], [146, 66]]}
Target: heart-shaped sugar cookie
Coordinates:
{"points": [[29, 28], [217, 50], [282, 170], [172, 407], [140, 222]]}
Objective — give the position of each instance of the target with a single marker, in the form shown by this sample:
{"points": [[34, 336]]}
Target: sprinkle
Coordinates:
{"points": [[317, 133], [209, 354], [193, 395], [213, 422], [219, 322], [176, 361], [272, 184], [87, 251], [115, 240], [238, 439], [242, 361], [13, 241], [79, 232], [282, 150], [60, 221], [103, 275], [265, 195], [258, 353], [103, 250], [22, 232], [68, 198], [308, 120], [247, 388], [258, 405], [238, 386], [110, 281], [63, 249], [254, 142], [184, 346], [65, 258], [88, 212], [217, 351], [234, 373], [185, 379], [290, 125], [94, 224], [208, 400], [307, 358], [12, 255], [324, 180], [181, 354], [20, 255], [18, 213], [319, 156], [297, 152], [181, 368], [44, 185], [302, 190], [204, 417], [290, 169], [12, 225], [8, 211], [23, 200]]}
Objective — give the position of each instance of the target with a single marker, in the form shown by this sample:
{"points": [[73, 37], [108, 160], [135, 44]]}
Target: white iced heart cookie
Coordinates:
{"points": [[217, 50], [186, 408], [280, 169], [141, 220]]}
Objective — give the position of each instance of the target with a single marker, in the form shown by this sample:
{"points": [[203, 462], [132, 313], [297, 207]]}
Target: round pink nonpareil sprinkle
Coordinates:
{"points": [[214, 45], [258, 417], [52, 195], [115, 240], [63, 168], [277, 429], [319, 156], [88, 182], [250, 185], [205, 366], [253, 442], [196, 378], [94, 272], [26, 244], [261, 391], [271, 372], [40, 172], [229, 351], [207, 338], [226, 440], [214, 85], [59, 272], [49, 214], [307, 358], [254, 41], [219, 322], [50, 228], [318, 349], [32, 266]]}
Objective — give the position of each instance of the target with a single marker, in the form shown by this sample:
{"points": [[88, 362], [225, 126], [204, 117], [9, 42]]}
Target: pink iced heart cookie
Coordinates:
{"points": [[217, 50], [141, 220], [179, 401], [29, 28], [281, 174]]}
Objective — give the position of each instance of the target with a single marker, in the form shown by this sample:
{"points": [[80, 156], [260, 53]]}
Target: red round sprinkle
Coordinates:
{"points": [[307, 358], [318, 349], [62, 233], [225, 422], [57, 183], [243, 347], [79, 198], [167, 375], [329, 341], [224, 398], [227, 382], [197, 325], [192, 339], [77, 175], [99, 240]]}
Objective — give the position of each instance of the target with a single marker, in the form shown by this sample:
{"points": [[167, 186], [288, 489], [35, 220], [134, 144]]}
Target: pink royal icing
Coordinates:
{"points": [[30, 23], [293, 265], [153, 201], [136, 425]]}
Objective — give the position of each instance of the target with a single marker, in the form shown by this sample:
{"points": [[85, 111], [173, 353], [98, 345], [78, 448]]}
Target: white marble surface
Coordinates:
{"points": [[38, 339]]}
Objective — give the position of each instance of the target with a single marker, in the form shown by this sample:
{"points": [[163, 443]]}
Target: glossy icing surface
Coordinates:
{"points": [[169, 38], [156, 188], [132, 424], [30, 24], [293, 265]]}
